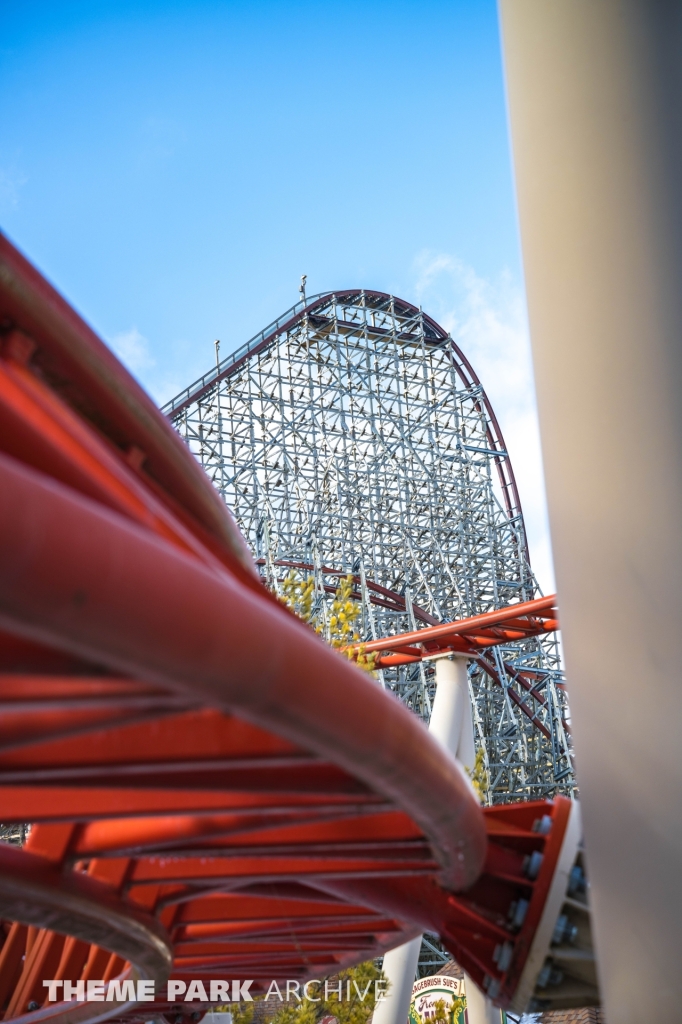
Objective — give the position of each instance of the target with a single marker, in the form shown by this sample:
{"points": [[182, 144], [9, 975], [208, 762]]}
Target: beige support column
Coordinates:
{"points": [[400, 968], [451, 720], [479, 1008], [452, 725], [595, 101]]}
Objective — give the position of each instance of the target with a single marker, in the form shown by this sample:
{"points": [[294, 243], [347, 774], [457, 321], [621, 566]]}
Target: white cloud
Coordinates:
{"points": [[132, 348], [160, 378], [488, 321], [11, 183]]}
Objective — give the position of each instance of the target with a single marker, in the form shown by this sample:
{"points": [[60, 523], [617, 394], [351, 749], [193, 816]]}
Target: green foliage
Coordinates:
{"points": [[449, 1014], [442, 1014], [344, 612], [304, 1012], [452, 1013], [354, 1010], [457, 1010], [479, 776], [298, 594], [241, 1014], [350, 1009]]}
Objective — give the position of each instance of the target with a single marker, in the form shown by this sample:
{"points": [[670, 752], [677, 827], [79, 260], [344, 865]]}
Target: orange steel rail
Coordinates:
{"points": [[467, 636], [205, 804], [472, 637]]}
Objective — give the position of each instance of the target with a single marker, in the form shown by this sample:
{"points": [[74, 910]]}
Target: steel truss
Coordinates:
{"points": [[353, 437]]}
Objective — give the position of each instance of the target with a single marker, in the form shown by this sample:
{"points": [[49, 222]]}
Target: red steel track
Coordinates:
{"points": [[467, 636], [205, 800], [472, 637]]}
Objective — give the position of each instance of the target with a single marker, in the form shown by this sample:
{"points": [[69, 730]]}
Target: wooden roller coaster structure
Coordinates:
{"points": [[204, 801]]}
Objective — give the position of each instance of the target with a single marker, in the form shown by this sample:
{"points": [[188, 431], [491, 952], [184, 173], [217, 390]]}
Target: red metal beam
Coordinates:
{"points": [[188, 752], [467, 636]]}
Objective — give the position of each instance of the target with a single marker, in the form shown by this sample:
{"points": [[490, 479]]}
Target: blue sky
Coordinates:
{"points": [[175, 167]]}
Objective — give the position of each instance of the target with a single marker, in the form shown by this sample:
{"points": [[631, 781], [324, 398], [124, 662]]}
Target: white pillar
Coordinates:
{"points": [[451, 719], [452, 725], [479, 1008], [400, 967], [595, 100]]}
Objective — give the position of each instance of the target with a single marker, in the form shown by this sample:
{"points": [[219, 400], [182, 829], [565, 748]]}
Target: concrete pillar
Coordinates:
{"points": [[452, 725], [595, 102], [451, 719], [400, 968], [479, 1008]]}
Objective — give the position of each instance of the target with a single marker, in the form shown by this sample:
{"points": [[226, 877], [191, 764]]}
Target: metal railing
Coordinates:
{"points": [[234, 357]]}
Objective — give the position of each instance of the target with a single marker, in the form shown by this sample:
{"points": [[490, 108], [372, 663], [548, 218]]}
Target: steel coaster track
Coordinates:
{"points": [[204, 801], [353, 437]]}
